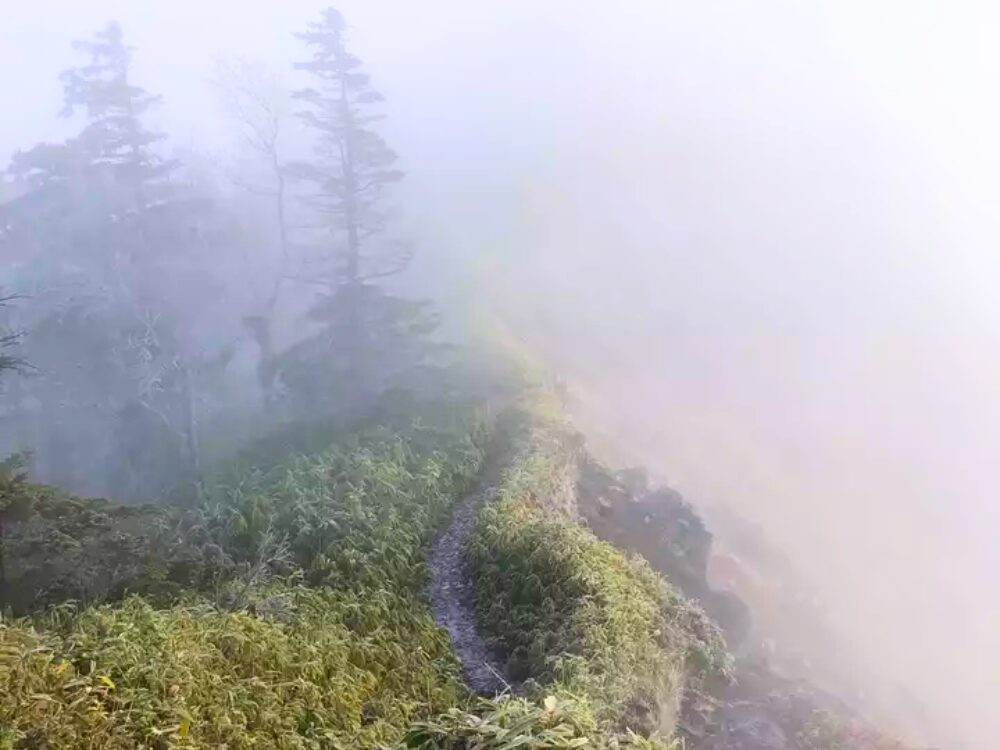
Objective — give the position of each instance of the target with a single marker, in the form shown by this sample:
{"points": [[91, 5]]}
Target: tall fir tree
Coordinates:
{"points": [[115, 140], [103, 236], [369, 337], [353, 165]]}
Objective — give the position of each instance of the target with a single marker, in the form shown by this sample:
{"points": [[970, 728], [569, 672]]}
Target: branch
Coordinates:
{"points": [[306, 280]]}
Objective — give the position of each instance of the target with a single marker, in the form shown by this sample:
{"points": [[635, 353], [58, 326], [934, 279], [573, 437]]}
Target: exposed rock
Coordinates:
{"points": [[750, 726], [661, 526]]}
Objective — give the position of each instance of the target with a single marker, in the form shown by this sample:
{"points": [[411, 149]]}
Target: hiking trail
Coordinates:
{"points": [[453, 599]]}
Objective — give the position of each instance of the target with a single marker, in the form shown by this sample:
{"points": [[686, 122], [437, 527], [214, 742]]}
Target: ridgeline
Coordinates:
{"points": [[429, 582]]}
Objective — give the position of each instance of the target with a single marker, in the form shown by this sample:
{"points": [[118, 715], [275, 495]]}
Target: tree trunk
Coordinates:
{"points": [[354, 345], [190, 417], [3, 568]]}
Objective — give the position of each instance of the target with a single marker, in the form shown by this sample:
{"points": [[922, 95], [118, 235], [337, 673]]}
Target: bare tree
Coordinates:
{"points": [[257, 104]]}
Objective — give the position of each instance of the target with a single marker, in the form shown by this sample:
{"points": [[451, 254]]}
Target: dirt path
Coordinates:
{"points": [[453, 599]]}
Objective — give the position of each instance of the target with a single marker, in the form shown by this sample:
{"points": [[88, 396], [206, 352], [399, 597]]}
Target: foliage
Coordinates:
{"points": [[257, 660], [8, 340], [576, 615], [323, 670], [111, 256], [828, 731], [508, 723], [389, 337], [114, 138], [57, 547], [7, 361], [368, 340], [91, 551], [356, 514], [18, 499], [18, 496]]}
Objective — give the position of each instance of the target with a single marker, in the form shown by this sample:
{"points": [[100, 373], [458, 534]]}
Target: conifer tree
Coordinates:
{"points": [[353, 165], [107, 233], [369, 337], [114, 140]]}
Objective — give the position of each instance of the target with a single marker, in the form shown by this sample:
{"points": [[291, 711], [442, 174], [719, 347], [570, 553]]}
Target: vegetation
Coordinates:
{"points": [[825, 730], [367, 338], [356, 515], [106, 255], [507, 723], [309, 630], [61, 548], [574, 614], [8, 340], [286, 609], [307, 669], [146, 280]]}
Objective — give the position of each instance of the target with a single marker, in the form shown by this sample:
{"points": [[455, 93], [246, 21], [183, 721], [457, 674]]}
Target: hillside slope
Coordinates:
{"points": [[294, 607]]}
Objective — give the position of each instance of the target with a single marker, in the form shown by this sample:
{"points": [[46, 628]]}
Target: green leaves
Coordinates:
{"points": [[18, 497], [517, 724], [572, 613], [194, 676], [356, 514], [348, 662]]}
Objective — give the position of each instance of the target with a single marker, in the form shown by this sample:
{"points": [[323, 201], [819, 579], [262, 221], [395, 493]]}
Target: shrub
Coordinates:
{"points": [[825, 730], [507, 723], [93, 551], [57, 547], [349, 661], [577, 616], [357, 514], [334, 670]]}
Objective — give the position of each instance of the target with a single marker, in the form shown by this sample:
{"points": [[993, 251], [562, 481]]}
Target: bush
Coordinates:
{"points": [[92, 551], [255, 660], [326, 670], [507, 723], [57, 547], [357, 514], [576, 615]]}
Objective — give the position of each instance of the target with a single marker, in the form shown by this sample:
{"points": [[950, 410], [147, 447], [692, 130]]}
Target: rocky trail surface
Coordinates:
{"points": [[453, 599]]}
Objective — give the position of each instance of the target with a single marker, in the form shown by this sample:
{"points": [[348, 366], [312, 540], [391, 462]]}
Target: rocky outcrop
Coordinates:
{"points": [[661, 526]]}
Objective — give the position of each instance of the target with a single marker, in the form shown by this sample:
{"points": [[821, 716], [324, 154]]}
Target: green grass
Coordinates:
{"points": [[577, 616], [358, 514], [314, 633], [305, 625], [326, 669], [508, 723]]}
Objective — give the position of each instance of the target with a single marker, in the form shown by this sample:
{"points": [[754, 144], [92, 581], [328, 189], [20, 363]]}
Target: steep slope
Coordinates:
{"points": [[570, 613], [757, 710], [358, 589], [313, 634]]}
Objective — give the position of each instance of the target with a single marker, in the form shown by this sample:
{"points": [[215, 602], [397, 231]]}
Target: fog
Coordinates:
{"points": [[758, 240]]}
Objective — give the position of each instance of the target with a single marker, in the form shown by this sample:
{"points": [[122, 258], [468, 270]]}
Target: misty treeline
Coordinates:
{"points": [[153, 305]]}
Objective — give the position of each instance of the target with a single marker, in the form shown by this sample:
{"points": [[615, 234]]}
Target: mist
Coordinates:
{"points": [[758, 241]]}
